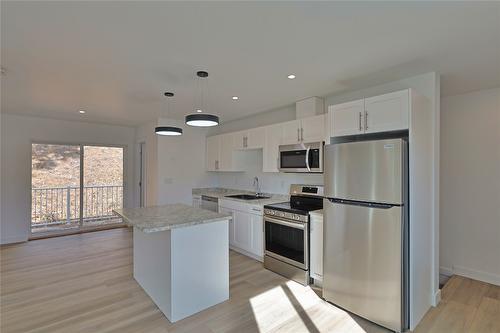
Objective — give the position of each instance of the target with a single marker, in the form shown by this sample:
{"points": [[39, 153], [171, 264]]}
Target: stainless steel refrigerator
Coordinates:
{"points": [[365, 263]]}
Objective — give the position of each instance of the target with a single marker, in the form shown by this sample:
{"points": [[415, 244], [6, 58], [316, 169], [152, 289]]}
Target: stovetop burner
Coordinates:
{"points": [[298, 205], [303, 199]]}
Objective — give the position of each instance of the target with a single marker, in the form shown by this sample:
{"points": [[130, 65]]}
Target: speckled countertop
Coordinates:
{"points": [[221, 193], [161, 218]]}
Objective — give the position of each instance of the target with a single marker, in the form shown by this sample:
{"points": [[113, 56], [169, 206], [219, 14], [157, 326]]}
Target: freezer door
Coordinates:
{"points": [[362, 261], [365, 171]]}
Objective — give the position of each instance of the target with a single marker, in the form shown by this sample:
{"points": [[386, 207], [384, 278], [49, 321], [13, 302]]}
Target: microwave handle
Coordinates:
{"points": [[307, 158]]}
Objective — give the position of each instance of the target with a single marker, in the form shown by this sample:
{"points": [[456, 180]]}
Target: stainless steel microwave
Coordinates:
{"points": [[302, 157]]}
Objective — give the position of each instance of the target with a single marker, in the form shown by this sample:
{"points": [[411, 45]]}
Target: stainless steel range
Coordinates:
{"points": [[286, 232]]}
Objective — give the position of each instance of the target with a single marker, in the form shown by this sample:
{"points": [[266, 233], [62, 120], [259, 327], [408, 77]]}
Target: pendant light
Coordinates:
{"points": [[168, 130], [201, 119]]}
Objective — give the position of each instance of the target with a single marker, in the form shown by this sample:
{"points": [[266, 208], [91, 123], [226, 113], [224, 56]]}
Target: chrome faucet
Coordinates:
{"points": [[256, 186]]}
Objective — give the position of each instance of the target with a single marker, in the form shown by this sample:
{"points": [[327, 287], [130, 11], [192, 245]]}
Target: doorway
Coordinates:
{"points": [[75, 188]]}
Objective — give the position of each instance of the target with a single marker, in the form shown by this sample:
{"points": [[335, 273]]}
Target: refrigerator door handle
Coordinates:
{"points": [[362, 203]]}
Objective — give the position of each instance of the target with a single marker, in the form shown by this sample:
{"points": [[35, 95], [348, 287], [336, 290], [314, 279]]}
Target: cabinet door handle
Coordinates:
{"points": [[298, 134], [360, 116], [366, 120], [302, 133]]}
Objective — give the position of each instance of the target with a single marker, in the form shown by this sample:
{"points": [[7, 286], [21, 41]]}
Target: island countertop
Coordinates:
{"points": [[161, 218]]}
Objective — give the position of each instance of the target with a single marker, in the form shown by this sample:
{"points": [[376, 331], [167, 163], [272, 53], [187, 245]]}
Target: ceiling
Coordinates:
{"points": [[115, 59]]}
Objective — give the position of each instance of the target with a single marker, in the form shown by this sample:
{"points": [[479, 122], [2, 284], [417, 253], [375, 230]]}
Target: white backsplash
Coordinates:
{"points": [[269, 182]]}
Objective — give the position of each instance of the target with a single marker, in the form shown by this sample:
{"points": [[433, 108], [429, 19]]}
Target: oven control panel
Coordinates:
{"points": [[286, 215]]}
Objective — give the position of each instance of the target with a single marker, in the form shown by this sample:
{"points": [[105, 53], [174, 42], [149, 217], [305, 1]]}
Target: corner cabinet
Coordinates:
{"points": [[388, 112]]}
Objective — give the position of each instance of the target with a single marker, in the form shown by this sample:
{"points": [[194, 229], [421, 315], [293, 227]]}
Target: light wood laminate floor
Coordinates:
{"points": [[84, 283]]}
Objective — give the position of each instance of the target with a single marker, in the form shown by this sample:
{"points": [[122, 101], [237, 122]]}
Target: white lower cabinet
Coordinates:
{"points": [[257, 228], [316, 246], [246, 229], [242, 231]]}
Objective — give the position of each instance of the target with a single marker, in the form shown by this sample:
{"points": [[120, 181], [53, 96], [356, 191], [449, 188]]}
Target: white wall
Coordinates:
{"points": [[17, 134], [470, 185], [278, 115], [175, 164]]}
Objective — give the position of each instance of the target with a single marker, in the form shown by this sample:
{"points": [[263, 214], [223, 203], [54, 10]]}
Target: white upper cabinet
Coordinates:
{"points": [[347, 118], [224, 150], [239, 140], [270, 152], [212, 152], [220, 153], [242, 231], [291, 132], [387, 112], [256, 138], [226, 162], [249, 139], [312, 128]]}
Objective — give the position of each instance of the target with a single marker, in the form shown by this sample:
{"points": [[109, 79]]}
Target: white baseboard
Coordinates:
{"points": [[13, 239], [472, 274], [446, 271]]}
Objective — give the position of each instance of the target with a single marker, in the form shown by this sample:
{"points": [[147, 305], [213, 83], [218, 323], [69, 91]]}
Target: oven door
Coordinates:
{"points": [[287, 241], [301, 157]]}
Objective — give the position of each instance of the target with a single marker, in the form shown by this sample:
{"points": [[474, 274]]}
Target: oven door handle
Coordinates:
{"points": [[308, 150], [285, 223]]}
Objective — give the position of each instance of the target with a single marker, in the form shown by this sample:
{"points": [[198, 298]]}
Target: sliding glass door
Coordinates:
{"points": [[75, 187], [103, 185]]}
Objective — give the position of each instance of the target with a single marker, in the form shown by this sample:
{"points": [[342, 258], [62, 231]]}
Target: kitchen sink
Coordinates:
{"points": [[247, 196]]}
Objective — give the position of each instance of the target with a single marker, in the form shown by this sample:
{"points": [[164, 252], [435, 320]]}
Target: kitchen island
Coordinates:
{"points": [[180, 256]]}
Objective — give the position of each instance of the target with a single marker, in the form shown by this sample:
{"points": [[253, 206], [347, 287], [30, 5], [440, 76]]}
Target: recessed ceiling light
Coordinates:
{"points": [[82, 111], [291, 76], [235, 98], [199, 110]]}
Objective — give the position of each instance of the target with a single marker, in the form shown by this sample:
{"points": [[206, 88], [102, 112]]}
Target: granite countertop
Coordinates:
{"points": [[161, 218], [221, 193]]}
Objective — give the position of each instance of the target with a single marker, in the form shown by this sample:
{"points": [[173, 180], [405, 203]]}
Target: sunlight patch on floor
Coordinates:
{"points": [[270, 305]]}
